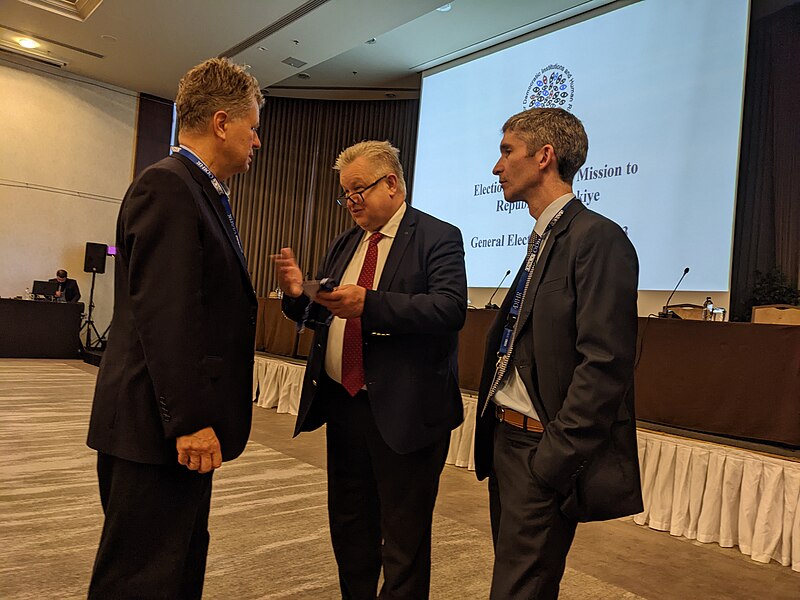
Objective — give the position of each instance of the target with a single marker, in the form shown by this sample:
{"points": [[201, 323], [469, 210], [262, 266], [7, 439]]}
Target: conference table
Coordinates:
{"points": [[275, 334], [740, 380], [39, 329]]}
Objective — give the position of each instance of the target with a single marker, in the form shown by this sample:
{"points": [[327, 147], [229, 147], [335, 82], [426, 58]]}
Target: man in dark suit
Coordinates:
{"points": [[173, 396], [67, 288], [556, 433], [382, 372]]}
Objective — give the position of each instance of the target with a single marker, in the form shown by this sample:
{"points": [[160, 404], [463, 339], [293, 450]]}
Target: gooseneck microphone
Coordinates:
{"points": [[489, 303], [666, 313]]}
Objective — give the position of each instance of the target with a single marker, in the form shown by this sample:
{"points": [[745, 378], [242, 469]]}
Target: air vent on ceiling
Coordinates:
{"points": [[294, 62], [289, 18], [80, 10]]}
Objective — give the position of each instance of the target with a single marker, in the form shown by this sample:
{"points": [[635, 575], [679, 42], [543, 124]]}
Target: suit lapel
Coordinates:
{"points": [[404, 234], [216, 205], [541, 262]]}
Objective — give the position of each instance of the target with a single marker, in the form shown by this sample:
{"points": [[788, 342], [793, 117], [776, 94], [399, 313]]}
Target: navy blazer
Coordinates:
{"points": [[575, 351], [180, 350], [410, 328]]}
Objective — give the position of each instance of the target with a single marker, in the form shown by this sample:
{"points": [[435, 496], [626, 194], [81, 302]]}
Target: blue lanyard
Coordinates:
{"points": [[519, 293], [221, 189]]}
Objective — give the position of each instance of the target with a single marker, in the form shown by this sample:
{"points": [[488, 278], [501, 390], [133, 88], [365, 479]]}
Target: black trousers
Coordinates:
{"points": [[380, 504], [155, 535], [531, 535]]}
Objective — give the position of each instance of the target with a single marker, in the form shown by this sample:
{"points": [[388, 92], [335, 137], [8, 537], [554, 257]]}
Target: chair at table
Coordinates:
{"points": [[777, 314], [692, 312]]}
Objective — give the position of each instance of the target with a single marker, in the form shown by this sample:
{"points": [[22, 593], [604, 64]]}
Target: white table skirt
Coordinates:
{"points": [[277, 384], [729, 496], [698, 490], [462, 446]]}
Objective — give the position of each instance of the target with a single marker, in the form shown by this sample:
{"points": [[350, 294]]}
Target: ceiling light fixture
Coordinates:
{"points": [[28, 43], [32, 54], [445, 8], [371, 41]]}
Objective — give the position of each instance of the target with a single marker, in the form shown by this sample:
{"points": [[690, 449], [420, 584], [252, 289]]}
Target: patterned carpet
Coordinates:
{"points": [[269, 533]]}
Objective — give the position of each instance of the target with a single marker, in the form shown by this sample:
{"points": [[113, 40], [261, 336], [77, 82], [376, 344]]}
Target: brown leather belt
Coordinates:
{"points": [[518, 420]]}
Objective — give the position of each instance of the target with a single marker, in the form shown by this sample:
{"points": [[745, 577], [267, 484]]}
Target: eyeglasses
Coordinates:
{"points": [[357, 197]]}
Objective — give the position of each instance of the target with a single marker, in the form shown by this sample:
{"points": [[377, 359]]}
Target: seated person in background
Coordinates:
{"points": [[67, 288]]}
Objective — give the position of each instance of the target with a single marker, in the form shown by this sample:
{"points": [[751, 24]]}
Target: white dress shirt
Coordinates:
{"points": [[511, 393], [333, 354]]}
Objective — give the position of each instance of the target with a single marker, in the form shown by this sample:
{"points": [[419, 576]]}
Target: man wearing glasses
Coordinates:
{"points": [[382, 372]]}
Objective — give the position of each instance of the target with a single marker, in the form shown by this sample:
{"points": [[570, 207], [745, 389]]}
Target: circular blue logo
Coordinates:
{"points": [[552, 87]]}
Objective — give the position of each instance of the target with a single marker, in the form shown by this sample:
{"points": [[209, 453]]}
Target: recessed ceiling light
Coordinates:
{"points": [[28, 43], [262, 49], [390, 95], [444, 8], [108, 38], [304, 76], [371, 41]]}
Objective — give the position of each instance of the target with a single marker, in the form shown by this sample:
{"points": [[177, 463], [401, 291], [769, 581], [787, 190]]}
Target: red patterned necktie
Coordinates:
{"points": [[352, 357]]}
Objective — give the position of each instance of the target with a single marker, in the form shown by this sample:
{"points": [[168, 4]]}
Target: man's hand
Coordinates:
{"points": [[199, 451], [346, 301], [290, 277]]}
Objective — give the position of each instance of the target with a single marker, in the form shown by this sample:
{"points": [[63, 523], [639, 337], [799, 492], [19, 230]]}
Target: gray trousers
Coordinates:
{"points": [[531, 536]]}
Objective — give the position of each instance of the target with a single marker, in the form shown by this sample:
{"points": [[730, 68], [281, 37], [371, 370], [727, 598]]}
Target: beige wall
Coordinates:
{"points": [[66, 156]]}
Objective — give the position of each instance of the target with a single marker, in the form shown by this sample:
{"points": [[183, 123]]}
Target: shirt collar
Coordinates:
{"points": [[551, 211], [392, 225]]}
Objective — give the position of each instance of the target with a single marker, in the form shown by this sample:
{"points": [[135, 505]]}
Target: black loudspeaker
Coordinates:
{"points": [[95, 260]]}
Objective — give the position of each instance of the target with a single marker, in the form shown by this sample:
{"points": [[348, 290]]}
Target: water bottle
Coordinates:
{"points": [[708, 309]]}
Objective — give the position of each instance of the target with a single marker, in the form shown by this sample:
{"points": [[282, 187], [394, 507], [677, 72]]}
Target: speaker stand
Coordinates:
{"points": [[88, 324]]}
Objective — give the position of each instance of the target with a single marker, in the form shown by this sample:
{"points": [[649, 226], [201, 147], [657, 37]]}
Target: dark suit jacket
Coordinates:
{"points": [[575, 352], [410, 330], [72, 292], [180, 352]]}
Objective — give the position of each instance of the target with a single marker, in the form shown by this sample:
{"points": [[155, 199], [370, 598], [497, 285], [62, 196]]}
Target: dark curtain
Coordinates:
{"points": [[287, 198], [153, 131], [767, 230]]}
